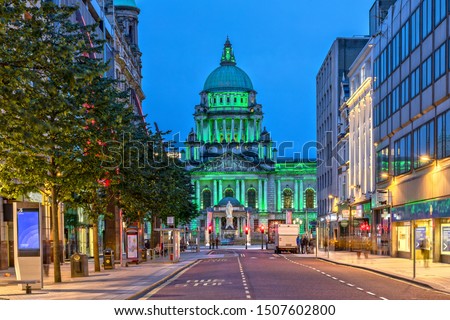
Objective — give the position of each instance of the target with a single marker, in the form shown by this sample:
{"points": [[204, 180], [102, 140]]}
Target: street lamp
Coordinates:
{"points": [[327, 235]]}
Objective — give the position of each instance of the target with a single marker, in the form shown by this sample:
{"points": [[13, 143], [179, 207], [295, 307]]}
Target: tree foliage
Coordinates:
{"points": [[63, 123]]}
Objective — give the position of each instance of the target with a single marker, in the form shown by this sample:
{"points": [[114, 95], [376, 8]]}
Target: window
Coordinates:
{"points": [[376, 115], [376, 69], [229, 193], [440, 11], [395, 102], [395, 51], [383, 73], [402, 155], [382, 164], [415, 82], [287, 198], [206, 199], [426, 18], [426, 73], [439, 62], [443, 135], [424, 145], [405, 91], [251, 198], [310, 196], [405, 40], [415, 29], [383, 110]]}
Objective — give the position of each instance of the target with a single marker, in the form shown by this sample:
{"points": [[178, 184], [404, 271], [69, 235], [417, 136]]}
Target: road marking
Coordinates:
{"points": [[244, 281], [154, 291], [334, 278]]}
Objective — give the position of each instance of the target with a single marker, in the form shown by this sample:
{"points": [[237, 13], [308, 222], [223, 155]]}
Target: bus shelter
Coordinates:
{"points": [[169, 244]]}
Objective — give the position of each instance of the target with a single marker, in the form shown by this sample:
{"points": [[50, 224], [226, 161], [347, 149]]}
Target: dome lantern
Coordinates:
{"points": [[228, 77]]}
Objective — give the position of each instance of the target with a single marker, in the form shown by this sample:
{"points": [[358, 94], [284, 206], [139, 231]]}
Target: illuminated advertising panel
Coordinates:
{"points": [[28, 236]]}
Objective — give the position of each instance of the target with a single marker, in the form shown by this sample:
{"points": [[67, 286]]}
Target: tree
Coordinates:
{"points": [[51, 88]]}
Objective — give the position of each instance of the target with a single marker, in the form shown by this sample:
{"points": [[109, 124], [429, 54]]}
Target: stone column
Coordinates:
{"points": [[214, 192], [240, 130], [202, 133], [259, 202], [224, 128], [238, 190], [296, 196], [302, 204], [232, 131], [198, 193], [216, 126], [243, 192], [265, 194], [279, 195]]}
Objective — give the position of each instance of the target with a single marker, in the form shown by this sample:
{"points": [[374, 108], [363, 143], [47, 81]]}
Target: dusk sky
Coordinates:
{"points": [[279, 44]]}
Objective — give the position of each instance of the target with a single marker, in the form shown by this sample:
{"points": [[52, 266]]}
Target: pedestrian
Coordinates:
{"points": [[298, 244], [426, 247], [304, 244], [217, 242], [311, 245]]}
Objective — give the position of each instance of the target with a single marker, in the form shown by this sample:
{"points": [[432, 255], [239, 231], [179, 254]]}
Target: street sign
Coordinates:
{"points": [[170, 221]]}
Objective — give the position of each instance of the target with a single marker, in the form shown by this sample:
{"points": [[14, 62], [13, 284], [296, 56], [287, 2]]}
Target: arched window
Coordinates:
{"points": [[206, 198], [229, 192], [251, 198], [287, 198], [310, 196]]}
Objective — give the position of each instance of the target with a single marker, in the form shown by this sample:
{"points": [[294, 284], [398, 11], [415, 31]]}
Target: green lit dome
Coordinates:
{"points": [[228, 77], [125, 3]]}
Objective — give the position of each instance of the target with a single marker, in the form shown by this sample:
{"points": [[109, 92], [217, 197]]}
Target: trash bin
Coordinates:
{"points": [[79, 265], [108, 259], [144, 254]]}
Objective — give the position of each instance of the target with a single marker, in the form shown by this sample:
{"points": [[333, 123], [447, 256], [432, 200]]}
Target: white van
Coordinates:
{"points": [[286, 237]]}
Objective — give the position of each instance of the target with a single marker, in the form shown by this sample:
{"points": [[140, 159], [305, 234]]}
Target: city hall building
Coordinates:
{"points": [[233, 160]]}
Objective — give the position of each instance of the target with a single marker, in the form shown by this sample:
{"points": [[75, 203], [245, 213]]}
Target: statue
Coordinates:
{"points": [[229, 211]]}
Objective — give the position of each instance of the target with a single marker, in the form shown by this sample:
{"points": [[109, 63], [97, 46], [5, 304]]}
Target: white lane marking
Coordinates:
{"points": [[334, 278], [154, 291], [244, 281]]}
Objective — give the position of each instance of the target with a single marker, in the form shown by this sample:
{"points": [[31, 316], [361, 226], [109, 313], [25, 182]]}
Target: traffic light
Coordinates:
{"points": [[261, 228], [365, 226], [246, 229], [209, 229]]}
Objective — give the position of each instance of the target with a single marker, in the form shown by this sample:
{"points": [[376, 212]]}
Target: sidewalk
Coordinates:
{"points": [[120, 283], [436, 275], [124, 283]]}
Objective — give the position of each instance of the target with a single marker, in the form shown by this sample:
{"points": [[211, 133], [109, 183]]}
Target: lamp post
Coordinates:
{"points": [[328, 217]]}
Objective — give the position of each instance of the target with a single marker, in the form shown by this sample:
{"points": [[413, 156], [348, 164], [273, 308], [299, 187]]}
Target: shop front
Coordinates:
{"points": [[423, 226]]}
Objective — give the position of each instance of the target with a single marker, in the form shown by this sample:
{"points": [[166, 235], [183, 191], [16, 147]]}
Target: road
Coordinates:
{"points": [[263, 275]]}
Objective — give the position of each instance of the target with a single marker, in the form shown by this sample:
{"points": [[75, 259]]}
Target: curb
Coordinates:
{"points": [[141, 293], [390, 275]]}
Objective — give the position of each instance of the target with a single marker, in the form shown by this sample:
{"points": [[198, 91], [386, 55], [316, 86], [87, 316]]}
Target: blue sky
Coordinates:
{"points": [[280, 44]]}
